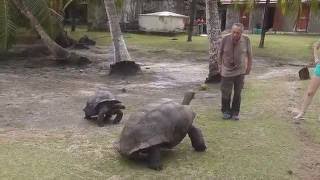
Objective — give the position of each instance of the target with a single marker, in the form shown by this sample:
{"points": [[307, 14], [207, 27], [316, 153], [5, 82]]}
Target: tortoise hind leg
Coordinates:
{"points": [[154, 161], [197, 139]]}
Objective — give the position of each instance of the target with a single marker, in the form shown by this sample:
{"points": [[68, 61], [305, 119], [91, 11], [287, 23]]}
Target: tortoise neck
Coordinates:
{"points": [[188, 96]]}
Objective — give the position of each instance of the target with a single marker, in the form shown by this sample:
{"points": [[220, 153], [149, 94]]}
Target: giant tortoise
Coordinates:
{"points": [[102, 106], [165, 126]]}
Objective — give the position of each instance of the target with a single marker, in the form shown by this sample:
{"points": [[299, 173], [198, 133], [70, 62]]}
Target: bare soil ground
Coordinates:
{"points": [[39, 93], [40, 99]]}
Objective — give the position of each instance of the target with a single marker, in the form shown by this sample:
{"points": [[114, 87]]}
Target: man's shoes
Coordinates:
{"points": [[236, 117], [226, 116]]}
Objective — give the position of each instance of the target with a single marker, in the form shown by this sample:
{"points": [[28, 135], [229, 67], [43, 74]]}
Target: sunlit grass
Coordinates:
{"points": [[262, 145], [277, 47]]}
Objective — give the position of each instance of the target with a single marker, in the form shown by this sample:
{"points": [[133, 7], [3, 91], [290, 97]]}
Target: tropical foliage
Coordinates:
{"points": [[7, 23], [287, 5], [11, 19]]}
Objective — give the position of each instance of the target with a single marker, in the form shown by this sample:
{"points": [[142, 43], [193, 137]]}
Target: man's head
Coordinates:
{"points": [[237, 29]]}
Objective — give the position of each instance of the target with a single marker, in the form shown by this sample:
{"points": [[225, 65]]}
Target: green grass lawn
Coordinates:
{"points": [[284, 48], [262, 145]]}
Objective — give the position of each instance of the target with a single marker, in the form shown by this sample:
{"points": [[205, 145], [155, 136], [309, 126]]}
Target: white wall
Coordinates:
{"points": [[161, 23]]}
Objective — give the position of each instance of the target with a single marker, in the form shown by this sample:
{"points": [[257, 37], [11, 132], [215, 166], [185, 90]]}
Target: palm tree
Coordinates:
{"points": [[7, 25], [55, 49], [38, 15], [120, 48], [214, 36], [213, 28], [287, 7]]}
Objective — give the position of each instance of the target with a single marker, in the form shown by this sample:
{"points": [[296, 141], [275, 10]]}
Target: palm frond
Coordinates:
{"points": [[7, 25], [247, 5], [288, 7], [315, 6], [58, 16], [40, 9], [119, 4], [67, 3], [11, 18]]}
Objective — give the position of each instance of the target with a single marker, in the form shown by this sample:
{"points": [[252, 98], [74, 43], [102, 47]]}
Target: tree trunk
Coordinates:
{"points": [[214, 35], [193, 10], [117, 38], [54, 48], [264, 25], [73, 24], [124, 49]]}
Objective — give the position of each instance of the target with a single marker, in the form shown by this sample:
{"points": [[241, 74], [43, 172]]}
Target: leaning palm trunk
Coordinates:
{"points": [[117, 38], [214, 35], [124, 49], [54, 48]]}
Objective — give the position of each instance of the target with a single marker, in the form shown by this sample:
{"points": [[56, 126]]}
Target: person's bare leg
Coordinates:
{"points": [[312, 89]]}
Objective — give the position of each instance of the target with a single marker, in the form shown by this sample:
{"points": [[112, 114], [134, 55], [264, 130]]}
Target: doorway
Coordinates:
{"points": [[303, 18]]}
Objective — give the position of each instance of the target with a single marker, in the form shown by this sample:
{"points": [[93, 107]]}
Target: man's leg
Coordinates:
{"points": [[226, 90], [236, 101]]}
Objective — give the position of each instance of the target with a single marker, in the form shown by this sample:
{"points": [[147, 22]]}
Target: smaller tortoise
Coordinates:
{"points": [[102, 106], [165, 126]]}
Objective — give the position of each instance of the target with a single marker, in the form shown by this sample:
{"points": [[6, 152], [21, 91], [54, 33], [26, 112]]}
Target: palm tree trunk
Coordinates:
{"points": [[214, 35], [264, 24], [54, 48], [192, 17], [124, 49], [73, 23], [117, 38]]}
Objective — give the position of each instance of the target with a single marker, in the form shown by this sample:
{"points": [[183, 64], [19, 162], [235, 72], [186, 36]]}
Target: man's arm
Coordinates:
{"points": [[249, 60], [220, 53]]}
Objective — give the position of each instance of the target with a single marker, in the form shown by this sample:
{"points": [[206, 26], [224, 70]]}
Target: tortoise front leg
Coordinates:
{"points": [[119, 115], [87, 117], [154, 161], [102, 115], [197, 139]]}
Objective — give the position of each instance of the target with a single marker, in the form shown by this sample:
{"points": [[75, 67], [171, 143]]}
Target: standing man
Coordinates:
{"points": [[235, 61]]}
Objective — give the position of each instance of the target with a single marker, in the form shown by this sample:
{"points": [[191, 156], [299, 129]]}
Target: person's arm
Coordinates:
{"points": [[249, 59], [220, 53], [316, 48]]}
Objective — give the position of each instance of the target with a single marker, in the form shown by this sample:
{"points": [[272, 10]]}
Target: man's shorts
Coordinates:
{"points": [[317, 70]]}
